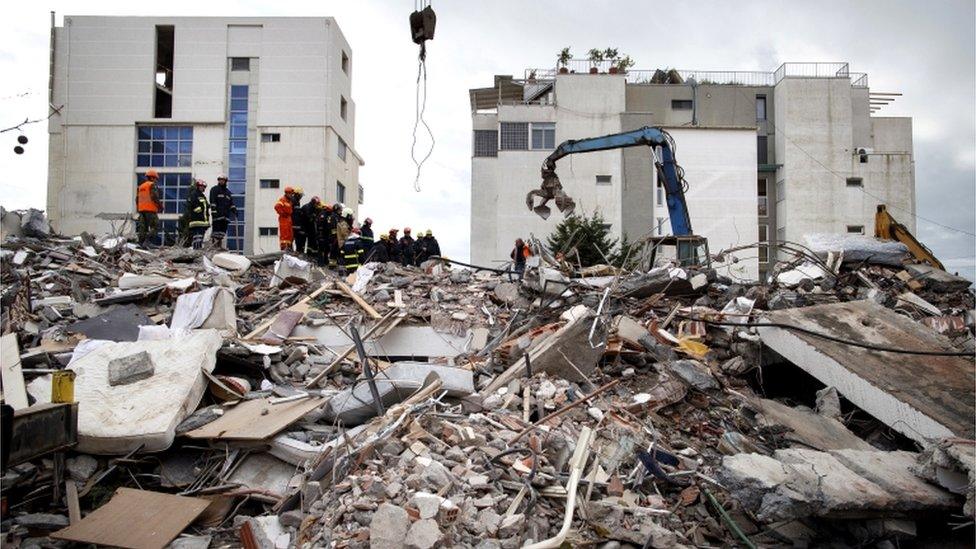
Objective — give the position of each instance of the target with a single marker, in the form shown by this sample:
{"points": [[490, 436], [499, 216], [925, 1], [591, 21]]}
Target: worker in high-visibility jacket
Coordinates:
{"points": [[352, 252], [366, 234], [283, 207], [198, 209], [148, 207]]}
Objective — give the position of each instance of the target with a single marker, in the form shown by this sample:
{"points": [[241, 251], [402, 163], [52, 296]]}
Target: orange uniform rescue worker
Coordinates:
{"points": [[148, 206], [284, 210]]}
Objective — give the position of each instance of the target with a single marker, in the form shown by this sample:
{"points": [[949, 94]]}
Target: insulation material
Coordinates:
{"points": [[116, 420], [212, 308], [290, 267], [858, 248]]}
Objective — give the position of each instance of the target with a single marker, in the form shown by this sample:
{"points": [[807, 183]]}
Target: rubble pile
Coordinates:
{"points": [[265, 402]]}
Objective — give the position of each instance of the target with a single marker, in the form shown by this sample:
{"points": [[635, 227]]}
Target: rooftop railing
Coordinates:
{"points": [[728, 78]]}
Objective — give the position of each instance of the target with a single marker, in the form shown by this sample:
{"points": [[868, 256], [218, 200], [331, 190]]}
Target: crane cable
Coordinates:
{"points": [[420, 104]]}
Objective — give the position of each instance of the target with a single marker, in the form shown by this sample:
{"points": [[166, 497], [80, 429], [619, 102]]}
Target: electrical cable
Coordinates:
{"points": [[835, 339]]}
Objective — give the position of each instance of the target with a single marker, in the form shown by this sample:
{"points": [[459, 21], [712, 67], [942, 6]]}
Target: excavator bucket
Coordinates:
{"points": [[551, 189]]}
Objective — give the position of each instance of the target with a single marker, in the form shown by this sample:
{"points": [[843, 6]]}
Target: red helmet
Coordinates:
{"points": [[368, 221], [315, 200], [406, 230], [355, 230], [200, 183], [289, 190], [152, 174]]}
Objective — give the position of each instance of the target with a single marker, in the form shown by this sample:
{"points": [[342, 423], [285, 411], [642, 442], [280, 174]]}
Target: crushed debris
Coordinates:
{"points": [[261, 401]]}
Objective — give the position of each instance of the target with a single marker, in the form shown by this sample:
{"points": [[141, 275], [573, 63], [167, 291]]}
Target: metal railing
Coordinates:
{"points": [[812, 70], [728, 78], [859, 80]]}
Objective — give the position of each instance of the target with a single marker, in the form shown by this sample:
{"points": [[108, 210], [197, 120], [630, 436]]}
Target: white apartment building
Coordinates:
{"points": [[827, 166], [266, 101]]}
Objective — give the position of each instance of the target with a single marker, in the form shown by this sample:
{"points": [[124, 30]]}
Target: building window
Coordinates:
{"points": [[270, 183], [267, 231], [543, 135], [341, 149], [163, 99], [237, 163], [270, 137], [659, 229], [855, 229], [681, 104], [164, 147], [343, 107], [762, 152], [780, 191], [603, 179], [763, 198], [344, 63], [340, 192], [173, 188], [486, 142], [760, 108], [763, 238], [855, 182], [660, 193], [362, 194], [515, 136], [240, 63]]}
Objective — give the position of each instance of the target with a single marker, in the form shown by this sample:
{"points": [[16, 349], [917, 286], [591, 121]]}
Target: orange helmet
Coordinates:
{"points": [[327, 207], [152, 174], [289, 190]]}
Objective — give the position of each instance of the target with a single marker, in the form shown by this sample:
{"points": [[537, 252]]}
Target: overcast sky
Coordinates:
{"points": [[925, 50]]}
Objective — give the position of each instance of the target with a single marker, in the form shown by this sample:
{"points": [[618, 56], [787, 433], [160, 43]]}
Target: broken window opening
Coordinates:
{"points": [[163, 78]]}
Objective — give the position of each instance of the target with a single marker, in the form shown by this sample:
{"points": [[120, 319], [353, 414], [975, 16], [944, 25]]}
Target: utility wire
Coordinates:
{"points": [[829, 337]]}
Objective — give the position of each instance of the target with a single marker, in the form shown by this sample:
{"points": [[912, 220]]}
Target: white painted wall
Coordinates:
{"points": [[721, 172]]}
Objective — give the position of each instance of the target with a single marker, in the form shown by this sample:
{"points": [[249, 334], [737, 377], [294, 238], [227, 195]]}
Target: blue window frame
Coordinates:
{"points": [[237, 163], [174, 188], [164, 146]]}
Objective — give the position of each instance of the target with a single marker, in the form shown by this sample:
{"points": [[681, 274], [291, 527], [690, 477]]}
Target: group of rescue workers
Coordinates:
{"points": [[329, 233], [324, 232]]}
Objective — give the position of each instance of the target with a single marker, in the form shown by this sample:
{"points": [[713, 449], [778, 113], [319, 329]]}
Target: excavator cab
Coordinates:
{"points": [[685, 251]]}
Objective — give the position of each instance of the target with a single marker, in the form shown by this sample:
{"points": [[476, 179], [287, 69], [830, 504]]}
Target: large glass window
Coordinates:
{"points": [[543, 135], [486, 142], [164, 147], [237, 164], [340, 192], [515, 136]]}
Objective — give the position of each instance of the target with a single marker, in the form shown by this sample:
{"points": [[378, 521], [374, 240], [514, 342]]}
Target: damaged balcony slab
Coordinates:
{"points": [[403, 341], [921, 397]]}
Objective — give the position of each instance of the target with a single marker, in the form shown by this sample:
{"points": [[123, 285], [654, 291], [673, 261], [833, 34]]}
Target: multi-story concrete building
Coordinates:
{"points": [[767, 155], [265, 101]]}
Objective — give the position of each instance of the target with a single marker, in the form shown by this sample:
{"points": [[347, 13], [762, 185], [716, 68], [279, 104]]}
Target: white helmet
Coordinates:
{"points": [[346, 211]]}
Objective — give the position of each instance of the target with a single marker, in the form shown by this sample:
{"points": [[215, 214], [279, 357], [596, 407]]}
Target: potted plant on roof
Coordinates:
{"points": [[624, 63], [611, 55], [563, 61], [595, 57]]}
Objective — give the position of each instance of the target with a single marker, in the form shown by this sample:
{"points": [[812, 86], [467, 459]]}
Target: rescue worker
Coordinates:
{"points": [[420, 249], [198, 210], [221, 207], [283, 207], [380, 252], [298, 220], [433, 247], [343, 226], [393, 246], [323, 215], [310, 216], [148, 207], [407, 252], [352, 252], [519, 254], [334, 243], [366, 234]]}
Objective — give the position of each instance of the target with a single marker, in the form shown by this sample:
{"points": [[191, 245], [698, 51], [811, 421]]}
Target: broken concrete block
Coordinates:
{"points": [[231, 261], [424, 534], [893, 472], [828, 403], [191, 542], [42, 521], [694, 373], [427, 504], [388, 527], [129, 369], [268, 532], [81, 467], [506, 292], [749, 477]]}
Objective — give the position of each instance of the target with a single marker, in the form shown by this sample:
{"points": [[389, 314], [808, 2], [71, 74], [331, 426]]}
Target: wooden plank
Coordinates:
{"points": [[14, 390], [378, 330], [71, 495], [136, 519], [256, 419], [359, 300], [301, 307]]}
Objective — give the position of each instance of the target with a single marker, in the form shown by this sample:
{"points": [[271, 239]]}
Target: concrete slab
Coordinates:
{"points": [[403, 341], [922, 397], [893, 472], [813, 430]]}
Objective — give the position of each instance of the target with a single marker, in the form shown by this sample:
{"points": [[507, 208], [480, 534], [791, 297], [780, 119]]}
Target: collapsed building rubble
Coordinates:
{"points": [[194, 399]]}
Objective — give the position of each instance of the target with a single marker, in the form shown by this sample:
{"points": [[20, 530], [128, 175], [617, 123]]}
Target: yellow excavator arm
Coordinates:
{"points": [[888, 228]]}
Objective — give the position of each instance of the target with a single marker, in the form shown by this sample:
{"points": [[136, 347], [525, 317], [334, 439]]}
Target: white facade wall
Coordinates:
{"points": [[104, 75], [720, 169]]}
